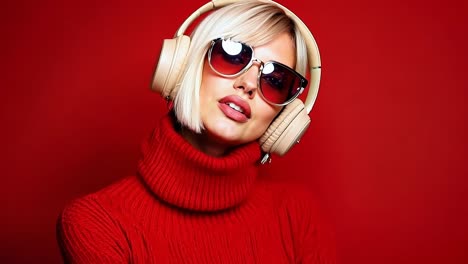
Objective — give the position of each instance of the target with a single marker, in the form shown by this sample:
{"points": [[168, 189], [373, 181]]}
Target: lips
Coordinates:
{"points": [[235, 108]]}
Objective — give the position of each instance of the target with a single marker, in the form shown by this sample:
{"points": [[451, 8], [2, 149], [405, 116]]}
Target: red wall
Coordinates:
{"points": [[386, 152]]}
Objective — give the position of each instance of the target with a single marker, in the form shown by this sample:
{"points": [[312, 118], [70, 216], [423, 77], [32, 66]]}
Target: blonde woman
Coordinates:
{"points": [[196, 196]]}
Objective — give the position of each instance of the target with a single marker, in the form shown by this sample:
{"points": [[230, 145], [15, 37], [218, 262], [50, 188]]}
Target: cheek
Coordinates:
{"points": [[267, 113], [260, 127], [210, 84], [204, 84]]}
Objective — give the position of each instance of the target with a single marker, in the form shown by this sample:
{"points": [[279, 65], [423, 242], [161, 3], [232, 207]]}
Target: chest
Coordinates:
{"points": [[269, 241]]}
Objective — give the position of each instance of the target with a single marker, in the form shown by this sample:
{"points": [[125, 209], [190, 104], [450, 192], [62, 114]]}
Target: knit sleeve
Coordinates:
{"points": [[315, 239], [87, 233]]}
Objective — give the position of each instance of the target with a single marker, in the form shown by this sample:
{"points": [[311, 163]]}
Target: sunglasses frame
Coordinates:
{"points": [[299, 90]]}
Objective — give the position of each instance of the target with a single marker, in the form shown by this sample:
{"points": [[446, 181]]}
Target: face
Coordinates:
{"points": [[232, 110]]}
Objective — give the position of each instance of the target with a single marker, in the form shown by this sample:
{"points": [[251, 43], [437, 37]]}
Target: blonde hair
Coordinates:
{"points": [[252, 22]]}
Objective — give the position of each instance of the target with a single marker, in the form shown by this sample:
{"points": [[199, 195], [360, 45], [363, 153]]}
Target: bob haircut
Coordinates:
{"points": [[253, 22]]}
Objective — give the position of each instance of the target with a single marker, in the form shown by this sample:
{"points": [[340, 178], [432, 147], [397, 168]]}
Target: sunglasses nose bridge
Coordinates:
{"points": [[258, 62], [255, 60], [248, 79], [248, 68]]}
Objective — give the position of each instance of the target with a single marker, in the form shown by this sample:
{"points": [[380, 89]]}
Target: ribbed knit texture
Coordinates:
{"points": [[183, 176], [186, 207]]}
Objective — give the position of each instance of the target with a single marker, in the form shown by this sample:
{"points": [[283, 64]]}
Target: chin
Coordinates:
{"points": [[226, 132], [227, 136]]}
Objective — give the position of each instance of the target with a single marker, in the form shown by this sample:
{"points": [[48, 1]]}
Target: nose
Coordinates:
{"points": [[248, 81]]}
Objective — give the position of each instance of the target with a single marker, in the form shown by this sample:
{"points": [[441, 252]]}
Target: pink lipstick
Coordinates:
{"points": [[235, 108]]}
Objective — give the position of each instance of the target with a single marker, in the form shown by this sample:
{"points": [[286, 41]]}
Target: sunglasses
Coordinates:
{"points": [[278, 84]]}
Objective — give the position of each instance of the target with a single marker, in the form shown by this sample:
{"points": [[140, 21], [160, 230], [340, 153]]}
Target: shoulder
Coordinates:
{"points": [[290, 194], [306, 214], [306, 218], [103, 204], [296, 201], [89, 230], [83, 210], [85, 215]]}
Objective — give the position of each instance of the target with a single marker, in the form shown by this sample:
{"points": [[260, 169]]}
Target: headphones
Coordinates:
{"points": [[289, 126]]}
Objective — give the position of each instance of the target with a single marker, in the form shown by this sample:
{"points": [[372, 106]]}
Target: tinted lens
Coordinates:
{"points": [[229, 57], [279, 83]]}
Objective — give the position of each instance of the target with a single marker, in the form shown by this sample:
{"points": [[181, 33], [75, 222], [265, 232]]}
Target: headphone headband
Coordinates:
{"points": [[313, 54]]}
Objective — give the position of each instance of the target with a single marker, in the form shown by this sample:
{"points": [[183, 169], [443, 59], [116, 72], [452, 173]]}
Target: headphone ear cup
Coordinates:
{"points": [[171, 62], [286, 129]]}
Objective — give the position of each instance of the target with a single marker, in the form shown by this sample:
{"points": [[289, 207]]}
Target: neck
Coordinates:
{"points": [[183, 176], [205, 143]]}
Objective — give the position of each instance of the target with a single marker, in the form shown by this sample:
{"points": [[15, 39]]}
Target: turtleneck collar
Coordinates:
{"points": [[185, 177]]}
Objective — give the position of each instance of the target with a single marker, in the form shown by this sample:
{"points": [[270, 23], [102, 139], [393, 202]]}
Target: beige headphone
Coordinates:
{"points": [[289, 126]]}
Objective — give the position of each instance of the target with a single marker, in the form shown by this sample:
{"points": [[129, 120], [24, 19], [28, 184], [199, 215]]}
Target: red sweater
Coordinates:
{"points": [[183, 206]]}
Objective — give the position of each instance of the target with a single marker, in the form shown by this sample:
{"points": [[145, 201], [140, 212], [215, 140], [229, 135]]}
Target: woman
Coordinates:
{"points": [[197, 197]]}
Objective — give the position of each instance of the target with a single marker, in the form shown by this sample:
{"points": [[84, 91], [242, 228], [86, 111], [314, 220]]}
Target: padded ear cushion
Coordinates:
{"points": [[171, 62], [286, 129]]}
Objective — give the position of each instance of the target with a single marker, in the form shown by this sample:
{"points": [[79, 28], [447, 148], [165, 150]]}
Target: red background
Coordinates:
{"points": [[386, 152]]}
